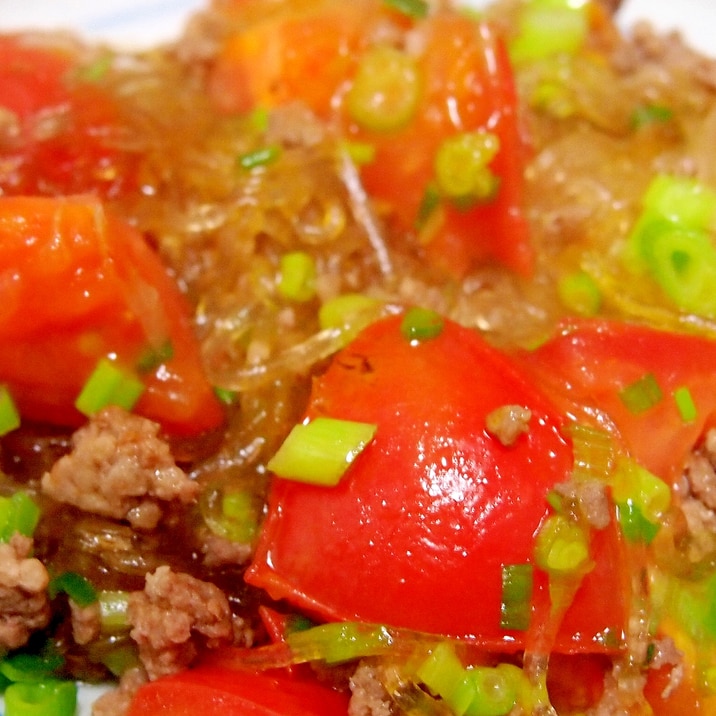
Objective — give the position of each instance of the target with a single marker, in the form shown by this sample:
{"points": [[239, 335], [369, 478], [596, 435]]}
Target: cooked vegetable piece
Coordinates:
{"points": [[219, 691], [459, 84], [590, 362], [450, 503], [90, 289]]}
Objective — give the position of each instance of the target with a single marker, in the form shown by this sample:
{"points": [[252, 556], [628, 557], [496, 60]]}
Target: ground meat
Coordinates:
{"points": [[697, 490], [119, 467], [667, 655], [590, 499], [219, 551], [173, 614], [24, 605], [86, 622], [508, 422], [117, 701], [368, 697]]}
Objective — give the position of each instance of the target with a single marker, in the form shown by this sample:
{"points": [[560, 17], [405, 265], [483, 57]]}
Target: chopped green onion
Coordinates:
{"points": [[297, 276], [9, 414], [444, 675], [240, 514], [259, 157], [41, 698], [685, 404], [339, 642], [153, 357], [226, 395], [386, 89], [348, 310], [641, 395], [361, 153], [593, 451], [634, 483], [635, 527], [259, 119], [320, 451], [580, 293], [494, 690], [25, 666], [411, 8], [18, 513], [421, 324], [547, 28], [428, 204], [516, 603], [681, 200], [650, 114], [109, 384], [113, 609], [562, 547], [78, 588], [462, 169]]}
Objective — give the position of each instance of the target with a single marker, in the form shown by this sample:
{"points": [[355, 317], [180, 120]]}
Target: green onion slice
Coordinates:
{"points": [[297, 276], [516, 603], [41, 698], [562, 547], [109, 384], [9, 414], [18, 513], [685, 404], [421, 324], [641, 395], [320, 451], [259, 157], [77, 587], [411, 8]]}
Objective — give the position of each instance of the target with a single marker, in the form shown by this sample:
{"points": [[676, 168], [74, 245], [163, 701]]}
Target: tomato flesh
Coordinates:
{"points": [[417, 531], [90, 287]]}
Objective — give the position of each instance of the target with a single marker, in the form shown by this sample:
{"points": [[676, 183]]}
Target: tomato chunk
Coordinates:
{"points": [[77, 150], [465, 85], [590, 362], [78, 284], [217, 691], [417, 531]]}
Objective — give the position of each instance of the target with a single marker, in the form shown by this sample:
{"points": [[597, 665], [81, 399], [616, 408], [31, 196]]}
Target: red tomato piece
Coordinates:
{"points": [[41, 84], [588, 363], [416, 533], [78, 284], [467, 85], [217, 691]]}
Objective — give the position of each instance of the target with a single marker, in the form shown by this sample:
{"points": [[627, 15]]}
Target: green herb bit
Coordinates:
{"points": [[226, 395], [650, 114], [109, 384], [154, 356], [549, 27], [579, 293], [320, 451], [685, 404], [649, 493], [516, 603], [386, 89], [78, 588], [297, 276], [18, 514], [9, 414], [259, 157], [462, 171], [641, 395], [338, 642], [428, 205], [562, 547], [349, 310], [40, 698], [421, 324], [635, 526], [113, 609], [412, 8]]}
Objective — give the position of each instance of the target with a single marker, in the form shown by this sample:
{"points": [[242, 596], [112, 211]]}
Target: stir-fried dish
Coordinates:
{"points": [[359, 358]]}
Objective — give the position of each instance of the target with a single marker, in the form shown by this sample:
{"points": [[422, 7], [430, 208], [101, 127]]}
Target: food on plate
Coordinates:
{"points": [[358, 360]]}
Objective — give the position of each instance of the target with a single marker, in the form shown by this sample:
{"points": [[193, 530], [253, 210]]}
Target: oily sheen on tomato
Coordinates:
{"points": [[419, 528]]}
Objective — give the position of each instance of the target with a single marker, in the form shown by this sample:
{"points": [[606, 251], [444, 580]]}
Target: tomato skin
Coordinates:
{"points": [[467, 86], [78, 284], [417, 531], [587, 362], [218, 691], [39, 81]]}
